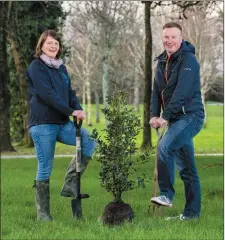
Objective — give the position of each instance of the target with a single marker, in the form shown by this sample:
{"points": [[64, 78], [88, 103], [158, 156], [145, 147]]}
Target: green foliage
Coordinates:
{"points": [[16, 103], [118, 146], [16, 110], [29, 19]]}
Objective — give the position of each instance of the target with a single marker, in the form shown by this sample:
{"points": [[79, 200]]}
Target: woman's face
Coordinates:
{"points": [[50, 47]]}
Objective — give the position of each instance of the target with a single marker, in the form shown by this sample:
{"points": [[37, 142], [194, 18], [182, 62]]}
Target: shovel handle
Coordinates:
{"points": [[77, 123], [160, 133]]}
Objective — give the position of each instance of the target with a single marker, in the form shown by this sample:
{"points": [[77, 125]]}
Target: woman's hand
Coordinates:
{"points": [[79, 114]]}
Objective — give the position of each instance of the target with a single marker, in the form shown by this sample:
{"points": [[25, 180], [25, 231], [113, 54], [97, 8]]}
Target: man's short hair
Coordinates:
{"points": [[172, 25]]}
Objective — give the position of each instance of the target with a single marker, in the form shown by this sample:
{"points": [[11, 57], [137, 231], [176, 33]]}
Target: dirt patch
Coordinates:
{"points": [[215, 193]]}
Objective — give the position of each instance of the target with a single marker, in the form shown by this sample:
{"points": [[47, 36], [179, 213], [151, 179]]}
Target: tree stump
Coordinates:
{"points": [[116, 213]]}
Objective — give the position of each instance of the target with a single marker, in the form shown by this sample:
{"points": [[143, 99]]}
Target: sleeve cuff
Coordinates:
{"points": [[152, 116], [166, 117]]}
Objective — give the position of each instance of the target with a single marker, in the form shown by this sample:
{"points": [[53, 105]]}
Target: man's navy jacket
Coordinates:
{"points": [[51, 97], [176, 87]]}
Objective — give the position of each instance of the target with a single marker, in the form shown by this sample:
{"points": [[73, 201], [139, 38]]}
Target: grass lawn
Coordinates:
{"points": [[19, 213], [209, 140]]}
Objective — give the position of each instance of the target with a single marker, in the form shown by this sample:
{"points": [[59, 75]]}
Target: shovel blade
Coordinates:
{"points": [[76, 208]]}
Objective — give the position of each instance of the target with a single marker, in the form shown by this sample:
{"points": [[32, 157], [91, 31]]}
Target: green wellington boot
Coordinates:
{"points": [[43, 200], [68, 190]]}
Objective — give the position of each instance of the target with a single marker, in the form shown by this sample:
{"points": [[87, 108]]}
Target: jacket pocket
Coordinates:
{"points": [[187, 105]]}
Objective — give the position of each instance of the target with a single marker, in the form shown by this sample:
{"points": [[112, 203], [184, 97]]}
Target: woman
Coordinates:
{"points": [[52, 102]]}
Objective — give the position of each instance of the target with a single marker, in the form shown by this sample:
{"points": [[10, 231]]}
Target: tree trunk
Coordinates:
{"points": [[20, 69], [97, 103], [84, 98], [136, 90], [117, 194], [106, 49], [5, 141], [105, 79], [204, 104], [148, 77], [88, 85]]}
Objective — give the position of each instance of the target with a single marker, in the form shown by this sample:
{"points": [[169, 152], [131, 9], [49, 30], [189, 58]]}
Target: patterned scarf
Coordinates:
{"points": [[51, 62]]}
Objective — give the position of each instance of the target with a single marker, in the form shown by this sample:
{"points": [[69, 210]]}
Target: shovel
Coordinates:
{"points": [[76, 202], [157, 210]]}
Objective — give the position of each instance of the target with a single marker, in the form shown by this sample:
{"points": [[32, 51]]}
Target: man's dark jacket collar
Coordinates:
{"points": [[185, 47]]}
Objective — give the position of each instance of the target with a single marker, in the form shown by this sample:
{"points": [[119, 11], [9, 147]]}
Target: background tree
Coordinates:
{"points": [[105, 30], [196, 24], [84, 59], [110, 20], [91, 32], [27, 21], [136, 63], [114, 19], [148, 77], [5, 141], [198, 30], [182, 7], [16, 104]]}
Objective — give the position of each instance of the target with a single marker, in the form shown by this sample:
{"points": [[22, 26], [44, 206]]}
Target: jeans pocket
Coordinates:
{"points": [[33, 131], [197, 126]]}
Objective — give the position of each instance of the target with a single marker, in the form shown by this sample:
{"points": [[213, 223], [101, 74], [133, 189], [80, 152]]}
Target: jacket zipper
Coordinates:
{"points": [[166, 73], [62, 79], [166, 78], [163, 100]]}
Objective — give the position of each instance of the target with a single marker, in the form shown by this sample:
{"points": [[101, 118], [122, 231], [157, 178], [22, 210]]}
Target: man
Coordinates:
{"points": [[177, 93]]}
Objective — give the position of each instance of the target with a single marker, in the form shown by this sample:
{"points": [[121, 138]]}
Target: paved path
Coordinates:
{"points": [[71, 155]]}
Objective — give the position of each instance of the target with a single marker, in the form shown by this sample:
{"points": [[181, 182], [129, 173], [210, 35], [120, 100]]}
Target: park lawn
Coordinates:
{"points": [[209, 140], [19, 214]]}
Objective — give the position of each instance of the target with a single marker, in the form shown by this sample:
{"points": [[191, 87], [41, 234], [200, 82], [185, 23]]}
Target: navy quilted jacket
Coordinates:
{"points": [[176, 89], [51, 97]]}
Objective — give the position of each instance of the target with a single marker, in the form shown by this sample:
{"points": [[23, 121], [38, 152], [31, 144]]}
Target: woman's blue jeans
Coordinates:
{"points": [[45, 137], [177, 147]]}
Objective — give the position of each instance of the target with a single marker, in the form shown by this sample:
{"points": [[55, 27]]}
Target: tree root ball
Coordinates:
{"points": [[117, 213]]}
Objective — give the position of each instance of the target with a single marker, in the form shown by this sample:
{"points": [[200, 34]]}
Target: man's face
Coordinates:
{"points": [[172, 39]]}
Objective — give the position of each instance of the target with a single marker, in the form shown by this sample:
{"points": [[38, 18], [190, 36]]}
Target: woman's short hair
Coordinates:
{"points": [[43, 38], [172, 25]]}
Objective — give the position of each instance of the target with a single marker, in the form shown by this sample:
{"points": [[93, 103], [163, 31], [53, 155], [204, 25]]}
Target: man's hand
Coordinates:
{"points": [[162, 123], [79, 114], [153, 122]]}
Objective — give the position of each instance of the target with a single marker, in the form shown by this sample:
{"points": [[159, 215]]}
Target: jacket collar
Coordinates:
{"points": [[185, 46], [54, 63], [163, 56]]}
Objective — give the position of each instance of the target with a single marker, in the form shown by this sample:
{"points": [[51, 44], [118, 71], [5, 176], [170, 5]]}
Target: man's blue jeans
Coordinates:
{"points": [[45, 137], [177, 146]]}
